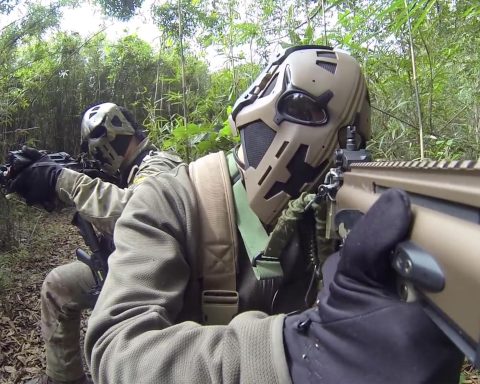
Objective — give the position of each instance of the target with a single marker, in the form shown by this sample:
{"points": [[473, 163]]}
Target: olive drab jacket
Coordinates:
{"points": [[100, 202], [153, 284]]}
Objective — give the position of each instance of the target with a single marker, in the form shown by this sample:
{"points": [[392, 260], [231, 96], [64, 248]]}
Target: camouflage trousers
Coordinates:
{"points": [[66, 291]]}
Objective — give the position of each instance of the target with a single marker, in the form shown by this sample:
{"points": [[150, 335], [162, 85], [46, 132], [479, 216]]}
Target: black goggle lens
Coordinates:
{"points": [[299, 107], [99, 131]]}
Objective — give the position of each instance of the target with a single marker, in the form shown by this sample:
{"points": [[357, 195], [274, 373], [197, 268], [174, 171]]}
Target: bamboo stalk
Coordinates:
{"points": [[324, 22], [415, 81], [184, 87]]}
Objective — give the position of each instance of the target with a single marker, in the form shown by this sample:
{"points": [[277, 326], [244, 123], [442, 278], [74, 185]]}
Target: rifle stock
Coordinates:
{"points": [[445, 200], [97, 259]]}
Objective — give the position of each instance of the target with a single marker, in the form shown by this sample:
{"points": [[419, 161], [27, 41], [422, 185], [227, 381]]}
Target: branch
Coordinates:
{"points": [[394, 117]]}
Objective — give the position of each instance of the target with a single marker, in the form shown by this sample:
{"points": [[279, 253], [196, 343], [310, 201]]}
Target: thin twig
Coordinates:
{"points": [[394, 117], [18, 130], [34, 228]]}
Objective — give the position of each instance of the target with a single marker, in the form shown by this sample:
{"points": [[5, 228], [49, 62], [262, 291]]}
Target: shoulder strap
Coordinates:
{"points": [[254, 236], [218, 237]]}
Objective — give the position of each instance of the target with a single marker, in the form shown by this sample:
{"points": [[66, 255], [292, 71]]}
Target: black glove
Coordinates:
{"points": [[36, 182], [32, 153], [360, 331]]}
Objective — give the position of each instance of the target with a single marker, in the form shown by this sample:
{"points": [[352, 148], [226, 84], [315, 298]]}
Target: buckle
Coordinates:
{"points": [[261, 257], [219, 307]]}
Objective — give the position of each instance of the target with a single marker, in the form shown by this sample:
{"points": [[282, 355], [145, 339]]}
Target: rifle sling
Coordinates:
{"points": [[254, 236]]}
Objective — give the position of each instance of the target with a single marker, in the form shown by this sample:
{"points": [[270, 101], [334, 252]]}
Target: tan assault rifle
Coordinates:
{"points": [[439, 265]]}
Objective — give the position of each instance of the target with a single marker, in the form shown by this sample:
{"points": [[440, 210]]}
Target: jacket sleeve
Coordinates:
{"points": [[100, 202], [131, 336]]}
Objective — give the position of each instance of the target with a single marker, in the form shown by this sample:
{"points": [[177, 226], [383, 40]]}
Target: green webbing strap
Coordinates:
{"points": [[254, 236], [253, 233], [232, 167]]}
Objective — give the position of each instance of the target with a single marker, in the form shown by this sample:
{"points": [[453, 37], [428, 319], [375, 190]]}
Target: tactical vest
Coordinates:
{"points": [[222, 208]]}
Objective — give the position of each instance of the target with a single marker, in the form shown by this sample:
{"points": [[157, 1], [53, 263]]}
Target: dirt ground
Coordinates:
{"points": [[52, 242]]}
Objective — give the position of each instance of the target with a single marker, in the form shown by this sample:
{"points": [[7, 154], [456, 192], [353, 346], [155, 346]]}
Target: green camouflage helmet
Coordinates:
{"points": [[105, 134], [291, 120]]}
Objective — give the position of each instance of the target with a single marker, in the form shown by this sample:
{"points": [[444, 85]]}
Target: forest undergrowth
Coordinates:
{"points": [[51, 241]]}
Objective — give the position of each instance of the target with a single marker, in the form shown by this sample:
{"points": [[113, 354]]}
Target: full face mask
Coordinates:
{"points": [[291, 120], [106, 134]]}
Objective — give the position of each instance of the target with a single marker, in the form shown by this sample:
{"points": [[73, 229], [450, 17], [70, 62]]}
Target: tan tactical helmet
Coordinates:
{"points": [[106, 131], [291, 120]]}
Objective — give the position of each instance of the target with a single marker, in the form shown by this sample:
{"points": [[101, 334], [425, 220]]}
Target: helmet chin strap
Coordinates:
{"points": [[239, 159], [239, 153]]}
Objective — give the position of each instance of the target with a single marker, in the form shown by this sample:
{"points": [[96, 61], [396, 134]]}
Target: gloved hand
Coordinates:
{"points": [[32, 153], [360, 331], [36, 182]]}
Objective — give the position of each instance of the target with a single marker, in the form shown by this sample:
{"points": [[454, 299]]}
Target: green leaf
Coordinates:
{"points": [[423, 15], [308, 34]]}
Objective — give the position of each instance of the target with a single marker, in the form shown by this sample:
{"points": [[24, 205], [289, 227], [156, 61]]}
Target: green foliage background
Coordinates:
{"points": [[49, 76]]}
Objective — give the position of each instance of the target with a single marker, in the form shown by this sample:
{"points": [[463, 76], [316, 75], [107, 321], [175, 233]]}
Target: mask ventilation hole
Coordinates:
{"points": [[260, 182], [327, 66], [282, 148], [256, 139], [270, 87], [330, 55], [301, 173], [93, 111], [116, 121]]}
